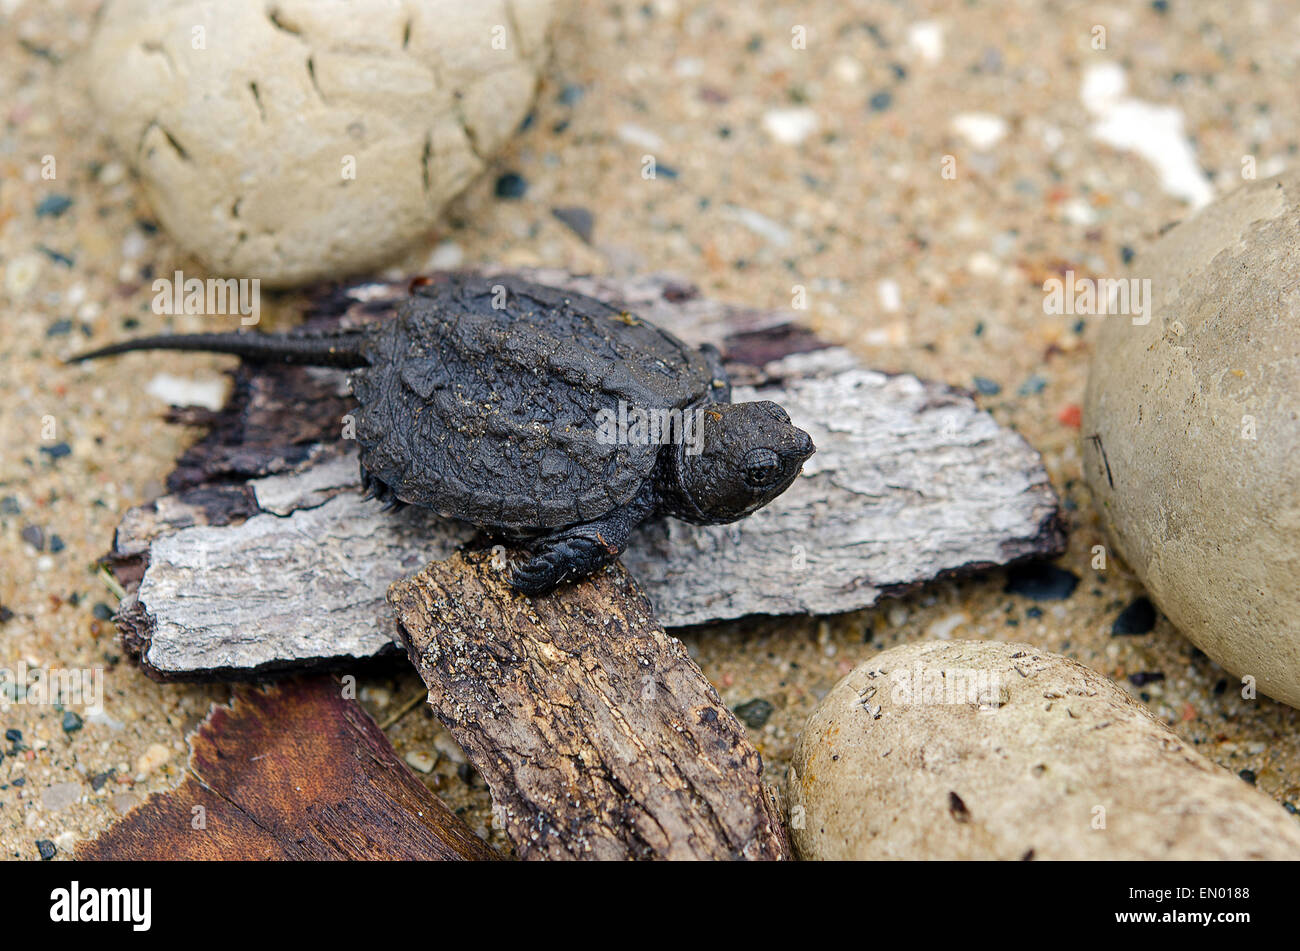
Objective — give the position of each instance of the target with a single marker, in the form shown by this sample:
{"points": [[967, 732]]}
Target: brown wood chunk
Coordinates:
{"points": [[597, 734], [294, 771]]}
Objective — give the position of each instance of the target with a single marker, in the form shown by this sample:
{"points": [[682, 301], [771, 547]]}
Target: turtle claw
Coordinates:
{"points": [[559, 558]]}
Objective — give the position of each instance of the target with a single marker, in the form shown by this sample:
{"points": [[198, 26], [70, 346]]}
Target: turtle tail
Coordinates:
{"points": [[340, 349]]}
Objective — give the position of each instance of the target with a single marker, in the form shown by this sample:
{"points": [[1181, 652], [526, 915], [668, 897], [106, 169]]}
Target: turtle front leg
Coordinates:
{"points": [[578, 551]]}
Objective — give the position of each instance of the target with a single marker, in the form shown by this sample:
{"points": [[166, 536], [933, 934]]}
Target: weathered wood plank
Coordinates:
{"points": [[597, 734]]}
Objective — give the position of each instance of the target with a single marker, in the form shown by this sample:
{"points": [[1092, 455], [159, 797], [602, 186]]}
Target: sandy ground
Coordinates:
{"points": [[916, 270]]}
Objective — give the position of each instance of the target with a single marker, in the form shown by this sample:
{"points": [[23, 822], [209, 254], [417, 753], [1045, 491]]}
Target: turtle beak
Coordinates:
{"points": [[802, 447]]}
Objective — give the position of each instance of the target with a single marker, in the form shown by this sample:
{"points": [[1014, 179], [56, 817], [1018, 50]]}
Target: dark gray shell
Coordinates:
{"points": [[492, 415]]}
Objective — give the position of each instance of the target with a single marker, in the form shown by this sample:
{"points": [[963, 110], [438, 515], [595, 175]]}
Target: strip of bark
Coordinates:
{"points": [[293, 772], [597, 734]]}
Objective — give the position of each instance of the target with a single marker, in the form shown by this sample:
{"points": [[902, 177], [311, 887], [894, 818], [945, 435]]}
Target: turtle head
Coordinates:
{"points": [[749, 454]]}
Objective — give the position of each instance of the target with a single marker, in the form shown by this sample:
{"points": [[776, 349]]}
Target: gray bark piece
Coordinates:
{"points": [[292, 587], [911, 482]]}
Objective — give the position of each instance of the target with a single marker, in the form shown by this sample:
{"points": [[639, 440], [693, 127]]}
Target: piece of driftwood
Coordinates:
{"points": [[597, 734], [265, 558], [295, 772]]}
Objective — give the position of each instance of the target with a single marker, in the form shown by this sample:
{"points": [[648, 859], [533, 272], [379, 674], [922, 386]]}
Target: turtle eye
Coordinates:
{"points": [[762, 467]]}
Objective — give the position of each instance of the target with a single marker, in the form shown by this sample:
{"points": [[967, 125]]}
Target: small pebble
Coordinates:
{"points": [[790, 126], [981, 130], [58, 450], [58, 257], [1138, 618], [511, 185], [986, 386], [1248, 775], [52, 206], [152, 758], [881, 100], [46, 849], [754, 713], [59, 796], [21, 274], [124, 802], [102, 611], [421, 760], [579, 219], [1041, 582], [71, 722], [445, 745], [34, 535], [1144, 677], [1035, 384]]}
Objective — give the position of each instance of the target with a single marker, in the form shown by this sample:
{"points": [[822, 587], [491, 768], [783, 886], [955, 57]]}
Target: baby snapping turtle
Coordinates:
{"points": [[507, 404]]}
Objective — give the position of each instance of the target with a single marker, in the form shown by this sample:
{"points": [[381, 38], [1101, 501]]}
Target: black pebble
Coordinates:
{"points": [[71, 722], [580, 220], [56, 543], [1138, 618], [46, 848], [1144, 677], [1248, 775], [511, 185], [14, 736], [5, 615], [9, 505], [58, 257], [59, 328], [58, 450], [1041, 582], [986, 386], [570, 94], [102, 611], [754, 713], [881, 100]]}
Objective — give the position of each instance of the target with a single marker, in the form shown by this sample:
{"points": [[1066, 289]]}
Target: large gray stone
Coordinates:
{"points": [[1192, 432]]}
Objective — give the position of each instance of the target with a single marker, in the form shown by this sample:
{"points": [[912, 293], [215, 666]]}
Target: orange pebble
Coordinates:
{"points": [[1071, 415]]}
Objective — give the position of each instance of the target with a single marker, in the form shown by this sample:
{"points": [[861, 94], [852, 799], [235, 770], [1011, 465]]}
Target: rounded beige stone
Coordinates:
{"points": [[989, 750], [1191, 432], [302, 139]]}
